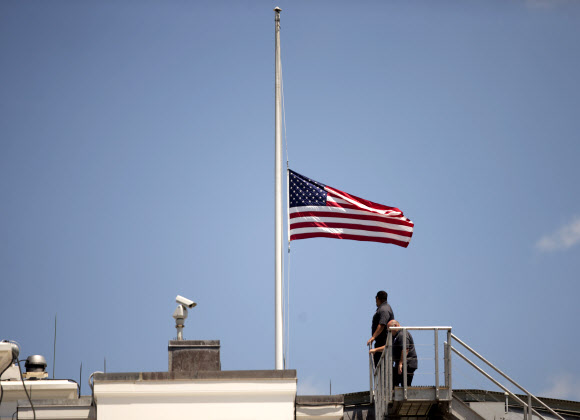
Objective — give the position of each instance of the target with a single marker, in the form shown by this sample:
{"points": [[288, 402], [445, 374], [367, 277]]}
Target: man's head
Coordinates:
{"points": [[381, 297], [394, 323]]}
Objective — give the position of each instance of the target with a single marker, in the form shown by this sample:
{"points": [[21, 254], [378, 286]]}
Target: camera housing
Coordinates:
{"points": [[185, 302]]}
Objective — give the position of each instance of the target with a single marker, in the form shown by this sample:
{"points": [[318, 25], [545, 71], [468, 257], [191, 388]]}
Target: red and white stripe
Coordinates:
{"points": [[348, 217]]}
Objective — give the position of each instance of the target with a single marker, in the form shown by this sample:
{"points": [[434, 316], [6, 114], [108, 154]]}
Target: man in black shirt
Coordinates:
{"points": [[381, 318], [412, 362]]}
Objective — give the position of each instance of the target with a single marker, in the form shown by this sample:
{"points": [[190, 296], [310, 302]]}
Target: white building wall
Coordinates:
{"points": [[204, 399], [37, 389]]}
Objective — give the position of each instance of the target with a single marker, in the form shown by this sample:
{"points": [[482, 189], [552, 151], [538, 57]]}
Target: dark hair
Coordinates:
{"points": [[382, 296]]}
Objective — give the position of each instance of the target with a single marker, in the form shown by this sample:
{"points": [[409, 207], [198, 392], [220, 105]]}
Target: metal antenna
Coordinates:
{"points": [[81, 379], [54, 349]]}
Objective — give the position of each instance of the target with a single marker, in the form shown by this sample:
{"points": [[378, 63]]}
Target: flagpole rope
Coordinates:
{"points": [[283, 320], [288, 306]]}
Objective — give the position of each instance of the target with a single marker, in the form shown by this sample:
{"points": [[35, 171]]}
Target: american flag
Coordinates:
{"points": [[317, 210]]}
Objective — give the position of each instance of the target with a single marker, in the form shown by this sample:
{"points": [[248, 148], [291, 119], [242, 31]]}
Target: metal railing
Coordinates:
{"points": [[528, 408], [381, 376]]}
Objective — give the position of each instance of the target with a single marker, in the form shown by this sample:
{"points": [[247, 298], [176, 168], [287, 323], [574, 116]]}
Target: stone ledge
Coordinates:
{"points": [[318, 400], [186, 344], [84, 401], [195, 375]]}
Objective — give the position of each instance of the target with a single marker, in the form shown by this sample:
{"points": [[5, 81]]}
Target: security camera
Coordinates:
{"points": [[185, 302]]}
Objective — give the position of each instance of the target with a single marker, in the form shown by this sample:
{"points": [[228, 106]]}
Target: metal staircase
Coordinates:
{"points": [[437, 400]]}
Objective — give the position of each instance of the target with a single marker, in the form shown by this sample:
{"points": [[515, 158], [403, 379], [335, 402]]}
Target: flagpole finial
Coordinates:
{"points": [[277, 9]]}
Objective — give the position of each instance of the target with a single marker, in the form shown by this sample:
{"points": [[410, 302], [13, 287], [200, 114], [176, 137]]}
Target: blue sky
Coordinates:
{"points": [[136, 163]]}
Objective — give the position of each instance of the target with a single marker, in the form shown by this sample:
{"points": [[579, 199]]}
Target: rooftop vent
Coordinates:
{"points": [[35, 367]]}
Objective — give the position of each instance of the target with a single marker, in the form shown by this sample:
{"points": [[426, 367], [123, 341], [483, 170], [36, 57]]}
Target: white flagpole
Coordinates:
{"points": [[278, 218]]}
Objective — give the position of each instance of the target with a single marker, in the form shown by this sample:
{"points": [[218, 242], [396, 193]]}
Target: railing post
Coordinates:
{"points": [[436, 364], [386, 396], [530, 410], [383, 396], [446, 362], [404, 363], [371, 374], [380, 386], [449, 366], [377, 392], [389, 366], [378, 389]]}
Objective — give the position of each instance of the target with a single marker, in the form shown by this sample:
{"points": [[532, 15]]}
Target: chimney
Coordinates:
{"points": [[194, 355]]}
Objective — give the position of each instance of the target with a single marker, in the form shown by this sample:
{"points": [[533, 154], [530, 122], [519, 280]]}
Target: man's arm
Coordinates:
{"points": [[377, 332], [401, 362], [377, 349]]}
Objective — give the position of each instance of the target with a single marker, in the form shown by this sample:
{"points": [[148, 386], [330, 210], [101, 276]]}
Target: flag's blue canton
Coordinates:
{"points": [[305, 191]]}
